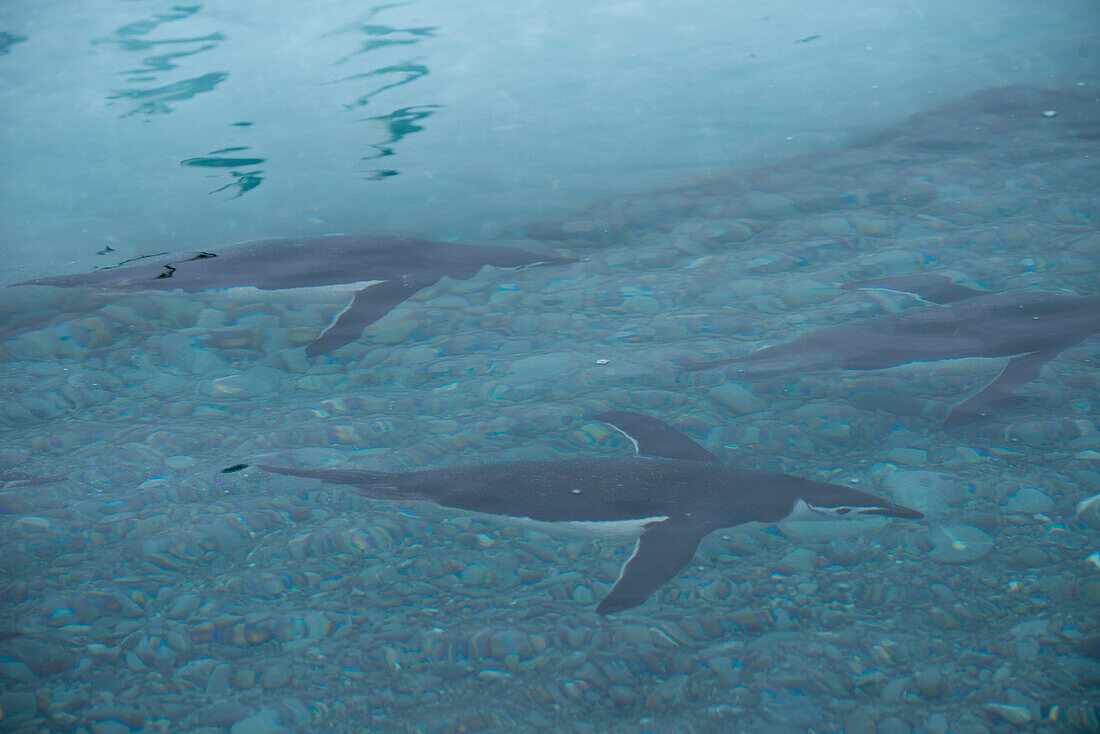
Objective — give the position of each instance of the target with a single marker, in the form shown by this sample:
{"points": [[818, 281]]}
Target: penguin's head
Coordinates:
{"points": [[808, 511], [817, 500]]}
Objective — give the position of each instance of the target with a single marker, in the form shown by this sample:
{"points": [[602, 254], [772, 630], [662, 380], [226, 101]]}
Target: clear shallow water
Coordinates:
{"points": [[154, 591], [523, 112]]}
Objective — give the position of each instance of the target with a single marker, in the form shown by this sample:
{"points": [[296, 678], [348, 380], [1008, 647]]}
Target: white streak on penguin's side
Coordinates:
{"points": [[669, 500]]}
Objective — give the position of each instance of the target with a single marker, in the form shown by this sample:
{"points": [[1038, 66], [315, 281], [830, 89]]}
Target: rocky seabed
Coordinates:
{"points": [[145, 590]]}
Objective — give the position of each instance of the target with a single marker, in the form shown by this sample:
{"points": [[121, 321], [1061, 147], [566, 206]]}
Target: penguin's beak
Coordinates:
{"points": [[893, 510]]}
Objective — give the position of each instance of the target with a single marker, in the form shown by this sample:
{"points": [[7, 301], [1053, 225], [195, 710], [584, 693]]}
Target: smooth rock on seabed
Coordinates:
{"points": [[150, 592]]}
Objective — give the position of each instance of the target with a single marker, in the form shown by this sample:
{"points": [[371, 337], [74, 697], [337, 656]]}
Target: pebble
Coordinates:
{"points": [[264, 721], [1043, 433], [1029, 501], [16, 706], [16, 670], [220, 679], [737, 399], [843, 551], [893, 725], [1088, 511], [641, 304], [926, 491], [799, 561], [928, 682], [109, 726], [937, 724], [621, 695], [859, 723], [1088, 478], [908, 456], [180, 462], [959, 544], [223, 713], [276, 675], [1018, 715], [546, 366], [1031, 557]]}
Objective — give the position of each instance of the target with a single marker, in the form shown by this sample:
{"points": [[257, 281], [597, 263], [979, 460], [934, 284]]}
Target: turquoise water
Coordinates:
{"points": [[716, 176]]}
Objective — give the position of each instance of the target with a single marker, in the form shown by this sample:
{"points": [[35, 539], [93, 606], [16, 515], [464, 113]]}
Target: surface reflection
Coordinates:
{"points": [[153, 100], [243, 181], [7, 40], [390, 128]]}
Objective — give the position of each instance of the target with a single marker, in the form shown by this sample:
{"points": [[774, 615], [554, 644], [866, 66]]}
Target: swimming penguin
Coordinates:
{"points": [[1028, 327], [669, 500], [377, 272]]}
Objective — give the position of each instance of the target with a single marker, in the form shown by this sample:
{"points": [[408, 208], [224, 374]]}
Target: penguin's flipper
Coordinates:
{"points": [[661, 552], [999, 395], [366, 306], [655, 438]]}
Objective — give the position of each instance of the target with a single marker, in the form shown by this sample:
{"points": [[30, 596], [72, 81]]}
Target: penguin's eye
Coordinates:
{"points": [[843, 510]]}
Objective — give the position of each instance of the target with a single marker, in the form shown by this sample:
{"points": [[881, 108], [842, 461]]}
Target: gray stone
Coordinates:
{"points": [[17, 705], [737, 399], [110, 726], [276, 675], [41, 657], [859, 723], [1017, 715], [264, 721], [16, 670], [959, 544], [937, 724], [223, 713], [843, 552], [166, 386], [1029, 501], [800, 560], [641, 304], [925, 491], [182, 606], [220, 678], [893, 691], [1088, 478], [928, 682], [1031, 557], [547, 366], [908, 456], [621, 694], [1043, 433], [106, 681], [893, 725], [180, 462], [1088, 511], [250, 383]]}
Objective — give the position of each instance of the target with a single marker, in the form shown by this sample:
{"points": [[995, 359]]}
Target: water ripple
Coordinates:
{"points": [[244, 181], [391, 127], [157, 99], [7, 40]]}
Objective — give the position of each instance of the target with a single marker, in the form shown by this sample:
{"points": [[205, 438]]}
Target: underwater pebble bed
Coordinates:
{"points": [[152, 592]]}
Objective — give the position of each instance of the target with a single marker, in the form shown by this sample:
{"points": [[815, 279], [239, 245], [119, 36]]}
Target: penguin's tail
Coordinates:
{"points": [[374, 483]]}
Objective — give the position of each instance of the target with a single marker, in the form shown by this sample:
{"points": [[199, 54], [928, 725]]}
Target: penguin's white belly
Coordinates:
{"points": [[606, 530]]}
